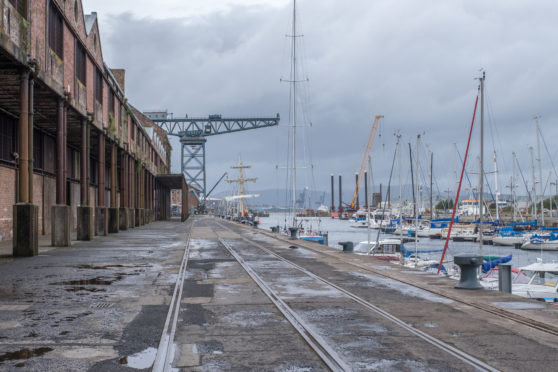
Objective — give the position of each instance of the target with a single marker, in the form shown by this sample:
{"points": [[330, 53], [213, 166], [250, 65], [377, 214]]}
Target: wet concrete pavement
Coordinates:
{"points": [[91, 306], [101, 306]]}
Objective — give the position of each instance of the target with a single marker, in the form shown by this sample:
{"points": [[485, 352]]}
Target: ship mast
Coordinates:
{"points": [[541, 187], [241, 180], [481, 172]]}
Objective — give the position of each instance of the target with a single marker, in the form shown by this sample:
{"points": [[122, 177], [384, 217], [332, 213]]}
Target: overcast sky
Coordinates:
{"points": [[414, 62]]}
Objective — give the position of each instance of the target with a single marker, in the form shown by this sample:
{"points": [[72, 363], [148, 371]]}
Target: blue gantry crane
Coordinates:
{"points": [[193, 132]]}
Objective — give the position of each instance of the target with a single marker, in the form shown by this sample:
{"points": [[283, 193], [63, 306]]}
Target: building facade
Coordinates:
{"points": [[74, 154]]}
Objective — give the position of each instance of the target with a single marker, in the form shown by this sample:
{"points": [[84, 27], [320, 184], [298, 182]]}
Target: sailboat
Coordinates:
{"points": [[295, 227]]}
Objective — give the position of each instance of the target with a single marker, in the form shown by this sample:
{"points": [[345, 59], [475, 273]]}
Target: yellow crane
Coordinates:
{"points": [[365, 159]]}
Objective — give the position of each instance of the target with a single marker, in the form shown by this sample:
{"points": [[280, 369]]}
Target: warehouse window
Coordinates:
{"points": [[8, 138], [111, 101], [37, 150], [55, 31], [80, 62], [19, 5], [49, 161], [76, 11], [98, 86]]}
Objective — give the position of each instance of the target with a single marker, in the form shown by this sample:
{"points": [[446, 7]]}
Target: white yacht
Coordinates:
{"points": [[538, 281]]}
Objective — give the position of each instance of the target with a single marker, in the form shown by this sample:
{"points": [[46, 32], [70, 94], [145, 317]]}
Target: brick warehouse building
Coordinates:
{"points": [[74, 155]]}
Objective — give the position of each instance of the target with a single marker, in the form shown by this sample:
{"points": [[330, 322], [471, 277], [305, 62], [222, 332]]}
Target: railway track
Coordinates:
{"points": [[543, 327], [165, 351], [322, 348]]}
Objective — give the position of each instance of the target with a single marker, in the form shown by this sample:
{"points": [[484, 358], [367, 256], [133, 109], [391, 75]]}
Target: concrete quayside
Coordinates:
{"points": [[212, 295]]}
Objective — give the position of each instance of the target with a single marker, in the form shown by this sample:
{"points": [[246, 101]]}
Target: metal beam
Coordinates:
{"points": [[192, 133], [209, 126]]}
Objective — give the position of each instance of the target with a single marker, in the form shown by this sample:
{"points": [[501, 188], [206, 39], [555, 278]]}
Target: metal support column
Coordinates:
{"points": [[23, 192], [123, 181], [60, 160], [84, 157], [113, 175], [101, 189], [30, 120]]}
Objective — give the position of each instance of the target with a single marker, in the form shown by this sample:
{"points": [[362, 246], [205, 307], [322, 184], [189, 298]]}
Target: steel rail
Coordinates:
{"points": [[461, 355], [539, 326], [163, 359], [316, 342]]}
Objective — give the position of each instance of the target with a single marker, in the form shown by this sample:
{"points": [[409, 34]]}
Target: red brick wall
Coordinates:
{"points": [[38, 31], [7, 200], [89, 72], [69, 60]]}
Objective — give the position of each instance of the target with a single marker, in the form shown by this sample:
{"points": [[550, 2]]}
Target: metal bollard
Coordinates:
{"points": [[325, 236], [469, 264], [504, 278], [274, 229], [294, 232], [347, 246]]}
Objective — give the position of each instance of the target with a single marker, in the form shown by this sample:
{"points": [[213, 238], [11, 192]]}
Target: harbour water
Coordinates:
{"points": [[340, 230]]}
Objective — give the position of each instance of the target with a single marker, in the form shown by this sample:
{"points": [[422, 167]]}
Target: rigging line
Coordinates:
{"points": [[492, 121], [548, 152], [426, 156], [524, 181], [459, 187], [385, 202], [467, 175]]}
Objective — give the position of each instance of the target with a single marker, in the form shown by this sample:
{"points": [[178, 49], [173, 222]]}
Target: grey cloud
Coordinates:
{"points": [[413, 62]]}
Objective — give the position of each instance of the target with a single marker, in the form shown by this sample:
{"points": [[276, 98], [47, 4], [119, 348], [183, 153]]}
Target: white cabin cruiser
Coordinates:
{"points": [[538, 281]]}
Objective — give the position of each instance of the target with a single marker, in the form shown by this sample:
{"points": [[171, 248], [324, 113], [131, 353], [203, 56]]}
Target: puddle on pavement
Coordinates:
{"points": [[519, 305], [106, 267], [142, 360], [24, 354], [100, 280], [93, 267], [90, 289]]}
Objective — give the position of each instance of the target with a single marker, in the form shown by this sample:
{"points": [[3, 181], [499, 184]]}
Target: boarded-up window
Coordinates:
{"points": [[55, 31], [8, 138], [98, 86], [93, 172], [37, 150], [111, 101], [19, 5], [49, 158], [80, 63]]}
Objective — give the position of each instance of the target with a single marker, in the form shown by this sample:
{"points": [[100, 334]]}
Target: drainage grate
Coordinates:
{"points": [[102, 305]]}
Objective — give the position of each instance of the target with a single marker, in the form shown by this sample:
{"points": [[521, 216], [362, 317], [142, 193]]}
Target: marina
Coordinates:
{"points": [[286, 185]]}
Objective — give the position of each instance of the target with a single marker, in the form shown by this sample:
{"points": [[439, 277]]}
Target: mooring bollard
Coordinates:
{"points": [[294, 232], [468, 263], [325, 237], [347, 246], [504, 278]]}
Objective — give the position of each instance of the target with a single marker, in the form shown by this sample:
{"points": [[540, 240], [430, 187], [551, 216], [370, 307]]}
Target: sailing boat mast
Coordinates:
{"points": [[541, 188], [496, 192], [293, 112], [481, 172], [534, 188], [431, 176]]}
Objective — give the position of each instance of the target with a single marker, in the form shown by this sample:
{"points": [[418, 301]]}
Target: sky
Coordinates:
{"points": [[414, 62]]}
